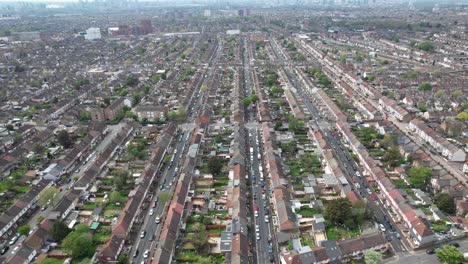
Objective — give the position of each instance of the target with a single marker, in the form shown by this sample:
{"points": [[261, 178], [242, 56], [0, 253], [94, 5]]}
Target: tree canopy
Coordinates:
{"points": [[59, 231], [445, 203], [425, 87], [373, 257], [463, 116], [63, 138], [338, 210], [79, 242], [450, 255], [24, 230], [215, 165], [420, 176], [200, 236]]}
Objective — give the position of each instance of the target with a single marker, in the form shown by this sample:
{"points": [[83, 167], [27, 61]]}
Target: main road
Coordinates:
{"points": [[352, 171]]}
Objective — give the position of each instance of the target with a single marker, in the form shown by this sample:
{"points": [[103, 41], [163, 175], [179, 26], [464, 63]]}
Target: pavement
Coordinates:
{"points": [[349, 166], [168, 183], [420, 256]]}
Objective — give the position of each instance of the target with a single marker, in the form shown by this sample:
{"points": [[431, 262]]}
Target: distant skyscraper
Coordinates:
{"points": [[146, 27]]}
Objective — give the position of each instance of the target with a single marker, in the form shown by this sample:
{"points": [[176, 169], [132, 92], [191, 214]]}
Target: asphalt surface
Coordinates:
{"points": [[149, 226], [263, 230], [264, 245], [420, 256], [348, 165]]}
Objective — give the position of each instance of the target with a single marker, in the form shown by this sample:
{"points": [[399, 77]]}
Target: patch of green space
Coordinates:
{"points": [[307, 211], [337, 233]]}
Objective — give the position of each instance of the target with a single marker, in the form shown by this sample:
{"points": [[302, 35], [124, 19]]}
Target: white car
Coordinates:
{"points": [[358, 174], [266, 219], [368, 191], [158, 220], [151, 212], [146, 254], [143, 233], [382, 228], [256, 213], [258, 236], [257, 229]]}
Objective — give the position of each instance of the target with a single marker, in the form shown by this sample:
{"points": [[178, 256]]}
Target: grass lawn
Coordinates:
{"points": [[440, 227], [336, 233], [90, 206], [307, 211], [101, 238], [400, 184], [21, 189], [216, 231]]}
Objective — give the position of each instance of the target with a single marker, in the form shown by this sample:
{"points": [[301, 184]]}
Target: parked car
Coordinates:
{"points": [[430, 251], [158, 220], [14, 238], [382, 228], [146, 254], [142, 234], [4, 250]]}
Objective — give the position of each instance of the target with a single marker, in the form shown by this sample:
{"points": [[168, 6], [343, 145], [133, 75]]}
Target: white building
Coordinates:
{"points": [[93, 34]]}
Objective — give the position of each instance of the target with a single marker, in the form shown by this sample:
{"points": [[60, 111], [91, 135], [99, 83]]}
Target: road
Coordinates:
{"points": [[420, 256], [265, 250], [347, 164], [261, 200], [168, 183]]}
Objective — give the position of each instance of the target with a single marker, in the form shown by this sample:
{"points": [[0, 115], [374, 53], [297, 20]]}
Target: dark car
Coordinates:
{"points": [[4, 250], [430, 251], [455, 244]]}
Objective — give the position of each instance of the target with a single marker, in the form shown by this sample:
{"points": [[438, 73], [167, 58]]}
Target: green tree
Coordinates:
{"points": [[24, 230], [439, 93], [215, 165], [131, 80], [107, 101], [425, 87], [445, 203], [254, 98], [373, 257], [115, 197], [450, 255], [122, 259], [85, 116], [120, 178], [246, 102], [463, 116], [200, 237], [457, 93], [388, 141], [79, 244], [48, 196], [338, 210], [147, 89], [420, 176], [204, 88], [393, 157], [63, 138], [422, 108], [136, 99], [426, 46], [59, 231]]}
